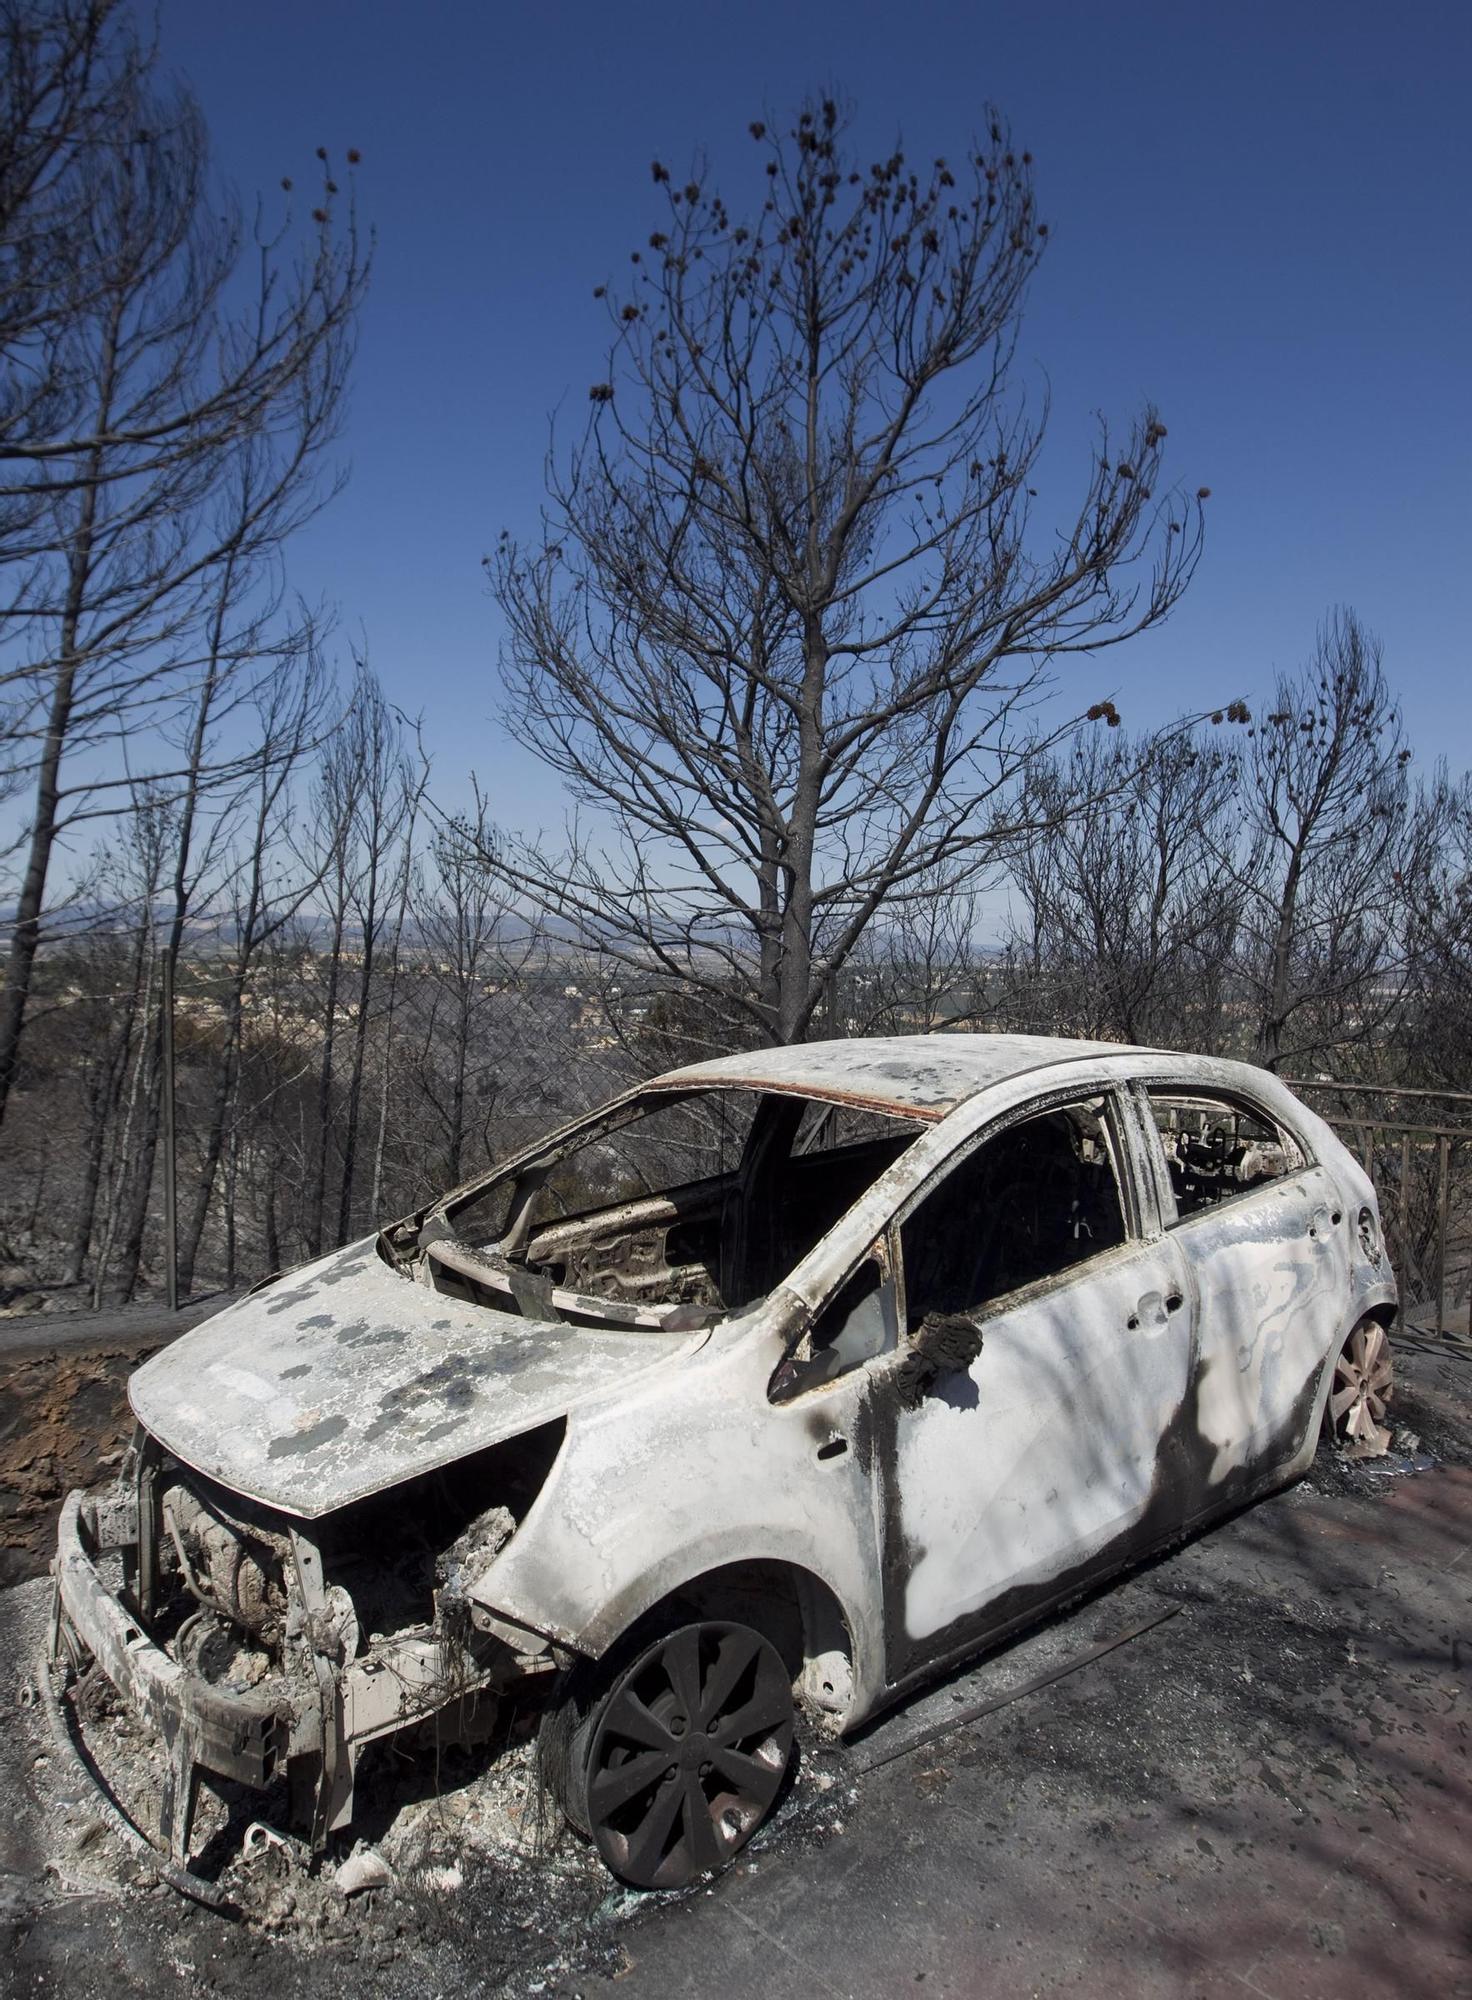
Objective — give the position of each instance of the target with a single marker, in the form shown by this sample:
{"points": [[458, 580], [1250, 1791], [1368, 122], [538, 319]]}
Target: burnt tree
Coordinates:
{"points": [[792, 606], [1329, 811], [172, 373], [1128, 897]]}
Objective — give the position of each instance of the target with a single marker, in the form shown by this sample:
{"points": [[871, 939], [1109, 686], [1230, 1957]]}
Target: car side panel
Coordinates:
{"points": [[672, 1483], [1271, 1275], [1045, 1453]]}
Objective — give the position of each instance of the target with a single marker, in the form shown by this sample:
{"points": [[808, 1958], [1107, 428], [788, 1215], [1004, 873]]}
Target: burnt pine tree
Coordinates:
{"points": [[1329, 816], [790, 613], [171, 375]]}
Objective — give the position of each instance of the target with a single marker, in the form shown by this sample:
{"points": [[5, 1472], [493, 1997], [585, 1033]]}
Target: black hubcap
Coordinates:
{"points": [[689, 1754]]}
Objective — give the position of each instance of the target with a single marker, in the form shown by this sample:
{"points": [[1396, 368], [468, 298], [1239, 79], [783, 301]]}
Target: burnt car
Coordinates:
{"points": [[777, 1385]]}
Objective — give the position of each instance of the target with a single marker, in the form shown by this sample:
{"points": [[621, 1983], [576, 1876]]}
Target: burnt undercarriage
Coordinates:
{"points": [[260, 1648]]}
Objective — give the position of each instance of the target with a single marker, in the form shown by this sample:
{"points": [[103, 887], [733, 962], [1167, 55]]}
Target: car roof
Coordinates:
{"points": [[919, 1076]]}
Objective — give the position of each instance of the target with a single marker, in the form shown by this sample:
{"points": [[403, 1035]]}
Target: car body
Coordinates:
{"points": [[945, 1330]]}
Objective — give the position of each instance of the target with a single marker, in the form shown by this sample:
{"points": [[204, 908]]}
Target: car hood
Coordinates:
{"points": [[347, 1377]]}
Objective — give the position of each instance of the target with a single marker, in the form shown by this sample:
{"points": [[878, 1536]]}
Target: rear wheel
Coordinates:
{"points": [[1364, 1382], [672, 1760]]}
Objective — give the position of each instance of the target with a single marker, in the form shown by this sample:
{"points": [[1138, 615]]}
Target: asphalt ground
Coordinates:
{"points": [[141, 1328], [1267, 1793]]}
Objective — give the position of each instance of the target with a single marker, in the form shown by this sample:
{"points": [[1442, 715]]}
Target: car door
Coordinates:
{"points": [[1047, 1456], [1261, 1229]]}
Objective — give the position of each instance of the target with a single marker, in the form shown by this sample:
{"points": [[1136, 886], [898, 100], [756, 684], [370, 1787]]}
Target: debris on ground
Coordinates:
{"points": [[1396, 1464], [363, 1869]]}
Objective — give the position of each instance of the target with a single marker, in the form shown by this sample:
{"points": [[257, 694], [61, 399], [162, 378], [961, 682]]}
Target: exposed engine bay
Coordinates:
{"points": [[279, 1647]]}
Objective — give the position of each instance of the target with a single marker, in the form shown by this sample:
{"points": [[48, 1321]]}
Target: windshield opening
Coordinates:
{"points": [[675, 1210]]}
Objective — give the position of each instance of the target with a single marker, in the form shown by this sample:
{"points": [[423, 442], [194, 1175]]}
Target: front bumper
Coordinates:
{"points": [[309, 1730], [246, 1736]]}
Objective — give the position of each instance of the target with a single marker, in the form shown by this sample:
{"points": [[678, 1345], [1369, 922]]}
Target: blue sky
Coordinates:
{"points": [[1258, 217]]}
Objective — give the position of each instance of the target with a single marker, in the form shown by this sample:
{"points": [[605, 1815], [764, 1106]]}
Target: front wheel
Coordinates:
{"points": [[674, 1760]]}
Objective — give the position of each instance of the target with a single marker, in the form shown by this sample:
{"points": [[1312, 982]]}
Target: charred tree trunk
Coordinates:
{"points": [[360, 1052], [214, 1140], [232, 1176], [184, 887], [317, 1205], [103, 1092], [271, 1228], [25, 939], [1280, 972]]}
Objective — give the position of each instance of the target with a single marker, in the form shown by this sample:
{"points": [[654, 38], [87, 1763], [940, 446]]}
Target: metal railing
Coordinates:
{"points": [[1423, 1176]]}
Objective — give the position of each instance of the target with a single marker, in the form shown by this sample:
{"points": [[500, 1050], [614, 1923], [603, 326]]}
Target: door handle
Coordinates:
{"points": [[835, 1448]]}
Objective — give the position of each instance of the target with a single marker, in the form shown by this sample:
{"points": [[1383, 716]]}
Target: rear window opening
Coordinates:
{"points": [[673, 1211], [1217, 1149]]}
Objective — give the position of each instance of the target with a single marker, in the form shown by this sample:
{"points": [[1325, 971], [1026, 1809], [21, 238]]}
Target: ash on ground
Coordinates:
{"points": [[458, 1869]]}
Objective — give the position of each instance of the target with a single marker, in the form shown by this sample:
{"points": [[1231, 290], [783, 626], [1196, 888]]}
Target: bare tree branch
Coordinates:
{"points": [[790, 615]]}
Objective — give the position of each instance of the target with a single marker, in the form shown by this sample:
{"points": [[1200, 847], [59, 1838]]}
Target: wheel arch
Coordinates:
{"points": [[788, 1602]]}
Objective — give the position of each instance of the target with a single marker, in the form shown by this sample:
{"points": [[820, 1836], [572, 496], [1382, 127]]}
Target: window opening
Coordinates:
{"points": [[1027, 1204], [1216, 1149], [699, 1202], [856, 1325]]}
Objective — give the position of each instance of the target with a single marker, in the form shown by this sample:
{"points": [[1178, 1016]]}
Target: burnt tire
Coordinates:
{"points": [[670, 1756], [1361, 1385]]}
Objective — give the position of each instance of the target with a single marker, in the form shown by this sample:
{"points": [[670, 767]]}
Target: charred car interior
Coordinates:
{"points": [[1215, 1148], [759, 1179], [666, 1428]]}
